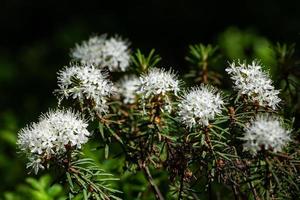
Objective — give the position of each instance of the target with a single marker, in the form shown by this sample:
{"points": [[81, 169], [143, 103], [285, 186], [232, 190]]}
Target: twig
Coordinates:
{"points": [[154, 187], [181, 186], [235, 192]]}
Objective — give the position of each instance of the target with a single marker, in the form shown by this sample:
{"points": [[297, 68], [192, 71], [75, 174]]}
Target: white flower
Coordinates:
{"points": [[48, 138], [158, 82], [200, 105], [128, 87], [252, 81], [103, 52], [265, 132], [86, 84], [90, 51], [115, 54]]}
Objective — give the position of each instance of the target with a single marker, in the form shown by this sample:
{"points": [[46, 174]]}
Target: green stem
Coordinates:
{"points": [[205, 72]]}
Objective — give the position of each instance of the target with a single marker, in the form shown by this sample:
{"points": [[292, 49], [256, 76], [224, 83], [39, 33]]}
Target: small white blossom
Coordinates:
{"points": [[86, 83], [252, 81], [159, 82], [90, 51], [200, 105], [48, 138], [127, 87], [103, 52], [265, 132], [116, 54]]}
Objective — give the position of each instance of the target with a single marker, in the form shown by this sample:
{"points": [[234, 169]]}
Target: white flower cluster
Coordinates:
{"points": [[116, 54], [200, 105], [128, 87], [265, 132], [86, 83], [48, 138], [252, 81], [158, 82], [103, 52]]}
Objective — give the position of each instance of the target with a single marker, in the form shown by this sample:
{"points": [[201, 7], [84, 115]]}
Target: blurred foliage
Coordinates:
{"points": [[12, 168], [34, 66], [37, 189], [246, 44]]}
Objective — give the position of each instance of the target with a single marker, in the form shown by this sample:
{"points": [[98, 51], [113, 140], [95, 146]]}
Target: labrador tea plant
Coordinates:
{"points": [[202, 138]]}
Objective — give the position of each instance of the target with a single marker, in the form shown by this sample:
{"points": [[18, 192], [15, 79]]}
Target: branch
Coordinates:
{"points": [[154, 187], [181, 185]]}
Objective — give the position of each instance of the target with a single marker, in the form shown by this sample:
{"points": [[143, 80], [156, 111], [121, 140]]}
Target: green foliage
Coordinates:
{"points": [[37, 189], [87, 181], [199, 54], [144, 62], [288, 71], [284, 51], [203, 60], [9, 160], [246, 45]]}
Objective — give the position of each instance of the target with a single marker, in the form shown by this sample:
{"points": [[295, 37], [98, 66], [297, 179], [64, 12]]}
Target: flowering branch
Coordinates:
{"points": [[197, 136]]}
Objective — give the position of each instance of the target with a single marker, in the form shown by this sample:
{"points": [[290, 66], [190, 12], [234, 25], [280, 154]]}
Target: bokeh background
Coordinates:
{"points": [[36, 37]]}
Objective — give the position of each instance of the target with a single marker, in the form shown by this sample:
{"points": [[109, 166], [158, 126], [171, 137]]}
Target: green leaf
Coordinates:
{"points": [[85, 197], [34, 183], [106, 150], [101, 130], [55, 190], [70, 181], [45, 181]]}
